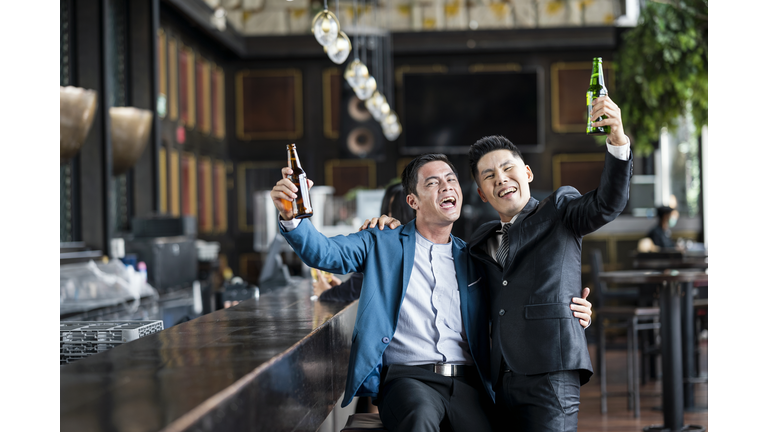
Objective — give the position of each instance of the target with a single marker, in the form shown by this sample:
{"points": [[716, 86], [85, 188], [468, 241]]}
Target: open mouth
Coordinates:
{"points": [[507, 191], [448, 202]]}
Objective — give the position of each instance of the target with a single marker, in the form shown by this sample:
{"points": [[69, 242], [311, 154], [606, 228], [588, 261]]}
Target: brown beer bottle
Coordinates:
{"points": [[302, 206], [596, 89]]}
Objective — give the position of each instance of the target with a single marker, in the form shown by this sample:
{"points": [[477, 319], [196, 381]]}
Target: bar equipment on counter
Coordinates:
{"points": [[167, 245]]}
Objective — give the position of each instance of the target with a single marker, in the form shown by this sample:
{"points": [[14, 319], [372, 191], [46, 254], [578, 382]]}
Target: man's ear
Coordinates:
{"points": [[482, 195], [530, 173], [411, 200]]}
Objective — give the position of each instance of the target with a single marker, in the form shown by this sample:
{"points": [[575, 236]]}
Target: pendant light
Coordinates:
{"points": [[374, 105], [356, 73], [339, 50], [325, 26]]}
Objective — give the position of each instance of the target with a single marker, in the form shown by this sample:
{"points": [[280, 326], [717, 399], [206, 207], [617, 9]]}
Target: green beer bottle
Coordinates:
{"points": [[596, 89]]}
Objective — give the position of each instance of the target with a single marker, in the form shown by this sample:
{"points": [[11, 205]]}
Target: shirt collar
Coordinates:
{"points": [[422, 241], [501, 228]]}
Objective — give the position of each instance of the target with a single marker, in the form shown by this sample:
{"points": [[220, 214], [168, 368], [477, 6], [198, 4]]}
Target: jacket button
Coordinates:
{"points": [[502, 312], [504, 283], [385, 339]]}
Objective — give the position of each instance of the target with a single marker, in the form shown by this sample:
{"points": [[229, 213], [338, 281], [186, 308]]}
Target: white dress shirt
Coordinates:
{"points": [[429, 328]]}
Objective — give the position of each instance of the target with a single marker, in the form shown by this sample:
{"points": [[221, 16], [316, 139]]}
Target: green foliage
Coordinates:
{"points": [[662, 70]]}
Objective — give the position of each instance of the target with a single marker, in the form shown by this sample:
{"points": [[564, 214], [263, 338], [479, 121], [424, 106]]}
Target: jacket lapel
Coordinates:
{"points": [[460, 264], [514, 231], [408, 240], [480, 239]]}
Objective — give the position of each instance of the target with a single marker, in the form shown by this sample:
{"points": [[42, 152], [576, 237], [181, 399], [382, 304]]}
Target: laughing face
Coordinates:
{"points": [[503, 181], [438, 194]]}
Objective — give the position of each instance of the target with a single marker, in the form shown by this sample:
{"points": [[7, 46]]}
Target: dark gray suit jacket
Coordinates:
{"points": [[533, 327]]}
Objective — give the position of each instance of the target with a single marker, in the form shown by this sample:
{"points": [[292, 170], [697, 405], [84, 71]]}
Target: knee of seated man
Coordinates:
{"points": [[411, 397]]}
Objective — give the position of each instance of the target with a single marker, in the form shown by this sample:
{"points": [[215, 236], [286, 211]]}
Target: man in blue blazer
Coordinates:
{"points": [[420, 345]]}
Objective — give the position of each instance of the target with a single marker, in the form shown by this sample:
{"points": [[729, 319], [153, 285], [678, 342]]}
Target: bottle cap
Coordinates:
{"points": [[142, 265]]}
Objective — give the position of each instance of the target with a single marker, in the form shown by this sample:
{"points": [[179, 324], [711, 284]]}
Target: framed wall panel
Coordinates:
{"points": [[187, 86], [162, 68], [205, 195], [269, 104], [347, 174], [401, 164], [250, 266], [331, 102], [251, 177], [580, 170], [203, 93], [188, 184], [173, 79], [219, 197], [162, 162], [174, 189], [217, 105], [569, 82]]}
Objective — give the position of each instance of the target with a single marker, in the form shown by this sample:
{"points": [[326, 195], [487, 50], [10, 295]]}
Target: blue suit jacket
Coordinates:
{"points": [[386, 258]]}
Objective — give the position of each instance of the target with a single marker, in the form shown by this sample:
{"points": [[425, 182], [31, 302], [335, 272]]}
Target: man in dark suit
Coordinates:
{"points": [[530, 263]]}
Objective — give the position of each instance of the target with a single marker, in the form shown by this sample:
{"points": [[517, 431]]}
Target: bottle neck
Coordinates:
{"points": [[597, 75], [293, 158]]}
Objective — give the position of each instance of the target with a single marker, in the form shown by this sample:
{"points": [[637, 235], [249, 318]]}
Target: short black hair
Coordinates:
{"points": [[395, 205], [486, 145], [663, 210], [410, 175]]}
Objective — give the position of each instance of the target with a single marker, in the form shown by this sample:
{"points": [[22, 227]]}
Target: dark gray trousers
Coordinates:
{"points": [[415, 400], [542, 403]]}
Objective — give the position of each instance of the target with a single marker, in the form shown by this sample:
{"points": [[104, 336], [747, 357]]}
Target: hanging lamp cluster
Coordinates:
{"points": [[327, 31]]}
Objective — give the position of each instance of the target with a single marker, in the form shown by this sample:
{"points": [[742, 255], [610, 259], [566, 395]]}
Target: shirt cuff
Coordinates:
{"points": [[290, 225], [619, 152]]}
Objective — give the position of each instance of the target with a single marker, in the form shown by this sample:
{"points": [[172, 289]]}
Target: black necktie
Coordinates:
{"points": [[503, 251]]}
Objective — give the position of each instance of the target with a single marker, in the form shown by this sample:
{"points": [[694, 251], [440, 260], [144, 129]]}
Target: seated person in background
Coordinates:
{"points": [[393, 204], [661, 235]]}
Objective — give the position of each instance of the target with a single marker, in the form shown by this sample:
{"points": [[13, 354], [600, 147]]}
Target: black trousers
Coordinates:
{"points": [[542, 403], [415, 399]]}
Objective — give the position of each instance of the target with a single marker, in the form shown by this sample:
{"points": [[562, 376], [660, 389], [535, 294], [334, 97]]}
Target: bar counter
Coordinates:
{"points": [[274, 363]]}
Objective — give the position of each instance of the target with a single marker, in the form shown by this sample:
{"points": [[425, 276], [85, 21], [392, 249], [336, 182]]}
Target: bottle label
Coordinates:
{"points": [[589, 108], [305, 192]]}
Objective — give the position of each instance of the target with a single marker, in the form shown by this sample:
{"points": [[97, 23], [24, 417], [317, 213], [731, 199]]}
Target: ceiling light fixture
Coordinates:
{"points": [[325, 26]]}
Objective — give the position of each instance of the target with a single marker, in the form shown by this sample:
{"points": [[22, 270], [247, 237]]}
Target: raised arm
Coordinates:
{"points": [[339, 254], [585, 214]]}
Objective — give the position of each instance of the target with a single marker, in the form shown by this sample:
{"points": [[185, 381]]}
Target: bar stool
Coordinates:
{"points": [[633, 319], [363, 422]]}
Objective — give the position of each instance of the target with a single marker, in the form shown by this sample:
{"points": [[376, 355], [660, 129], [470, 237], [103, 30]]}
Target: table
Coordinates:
{"points": [[677, 259], [278, 362], [669, 281], [670, 259]]}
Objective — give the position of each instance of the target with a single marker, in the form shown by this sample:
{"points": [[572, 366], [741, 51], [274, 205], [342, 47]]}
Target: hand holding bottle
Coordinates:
{"points": [[284, 193], [291, 194], [604, 106]]}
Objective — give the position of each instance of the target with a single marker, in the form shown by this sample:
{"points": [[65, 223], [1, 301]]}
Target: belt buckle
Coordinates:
{"points": [[443, 369]]}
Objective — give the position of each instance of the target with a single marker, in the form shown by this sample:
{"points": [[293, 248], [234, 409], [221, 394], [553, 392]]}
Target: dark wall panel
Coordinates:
{"points": [[143, 58], [95, 155]]}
